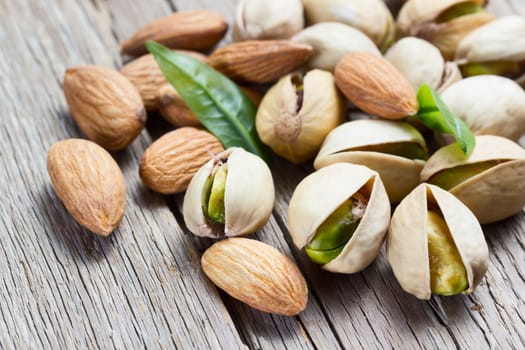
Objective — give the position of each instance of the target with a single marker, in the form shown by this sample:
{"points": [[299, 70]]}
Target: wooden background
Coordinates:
{"points": [[62, 287]]}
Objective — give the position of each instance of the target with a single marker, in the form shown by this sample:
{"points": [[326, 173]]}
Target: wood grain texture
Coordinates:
{"points": [[142, 287]]}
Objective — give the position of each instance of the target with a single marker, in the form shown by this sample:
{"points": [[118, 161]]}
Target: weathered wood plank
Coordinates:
{"points": [[62, 287]]}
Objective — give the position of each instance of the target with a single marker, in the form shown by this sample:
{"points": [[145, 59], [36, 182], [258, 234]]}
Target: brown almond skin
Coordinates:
{"points": [[105, 105], [259, 61], [145, 74], [89, 183], [375, 86], [187, 30], [256, 274], [168, 165]]}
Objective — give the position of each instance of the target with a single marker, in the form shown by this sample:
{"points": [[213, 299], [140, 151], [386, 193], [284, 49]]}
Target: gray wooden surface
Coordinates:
{"points": [[63, 288]]}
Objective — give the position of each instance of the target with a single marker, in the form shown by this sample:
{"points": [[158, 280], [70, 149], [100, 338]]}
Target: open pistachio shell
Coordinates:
{"points": [[488, 104], [269, 19], [408, 243], [419, 61], [367, 142], [321, 193], [372, 17], [298, 112], [248, 195], [331, 41], [492, 193]]}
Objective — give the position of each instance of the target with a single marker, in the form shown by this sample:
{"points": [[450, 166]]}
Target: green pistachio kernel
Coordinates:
{"points": [[452, 177], [410, 150], [458, 10], [213, 201], [332, 235], [493, 67], [447, 272]]}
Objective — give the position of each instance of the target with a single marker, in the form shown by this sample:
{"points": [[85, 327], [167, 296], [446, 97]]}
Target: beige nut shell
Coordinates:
{"points": [[248, 198], [494, 194], [331, 41], [488, 104], [298, 135], [320, 193], [399, 174], [407, 241]]}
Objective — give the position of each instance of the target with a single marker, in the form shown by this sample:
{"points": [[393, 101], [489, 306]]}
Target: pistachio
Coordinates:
{"points": [[372, 17], [270, 19], [443, 23], [489, 105], [396, 150], [331, 41], [298, 112], [497, 48], [340, 215], [421, 63], [491, 181], [435, 245], [231, 195]]}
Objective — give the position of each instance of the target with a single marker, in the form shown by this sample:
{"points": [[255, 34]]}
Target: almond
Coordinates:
{"points": [[375, 86], [189, 30], [173, 109], [259, 61], [105, 105], [89, 183], [168, 165], [256, 274], [145, 74]]}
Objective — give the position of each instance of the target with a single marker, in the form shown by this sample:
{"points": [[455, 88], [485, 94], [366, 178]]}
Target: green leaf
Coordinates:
{"points": [[436, 116], [215, 100]]}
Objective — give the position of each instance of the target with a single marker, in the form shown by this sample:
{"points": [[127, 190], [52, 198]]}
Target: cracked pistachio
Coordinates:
{"points": [[444, 23], [435, 245], [491, 181], [231, 195], [495, 48], [268, 19], [372, 17], [422, 63], [396, 150], [340, 215], [488, 104], [298, 112], [331, 41]]}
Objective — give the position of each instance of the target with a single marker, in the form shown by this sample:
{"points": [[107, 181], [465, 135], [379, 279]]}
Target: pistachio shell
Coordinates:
{"points": [[489, 105], [269, 19], [320, 193], [494, 194], [331, 41], [451, 75], [418, 60], [372, 17], [501, 39], [407, 241], [248, 198], [344, 144], [416, 12], [295, 128]]}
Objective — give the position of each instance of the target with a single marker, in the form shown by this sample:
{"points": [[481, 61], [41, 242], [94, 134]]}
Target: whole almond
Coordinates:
{"points": [[259, 61], [256, 274], [145, 74], [168, 165], [174, 109], [105, 105], [189, 30], [89, 183], [375, 86]]}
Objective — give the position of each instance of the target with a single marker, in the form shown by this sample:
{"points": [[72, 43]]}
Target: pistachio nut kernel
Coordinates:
{"points": [[491, 181], [396, 150], [340, 215], [435, 245], [298, 112], [231, 195], [447, 273]]}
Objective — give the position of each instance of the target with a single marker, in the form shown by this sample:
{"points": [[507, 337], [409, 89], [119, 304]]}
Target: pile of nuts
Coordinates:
{"points": [[303, 81]]}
